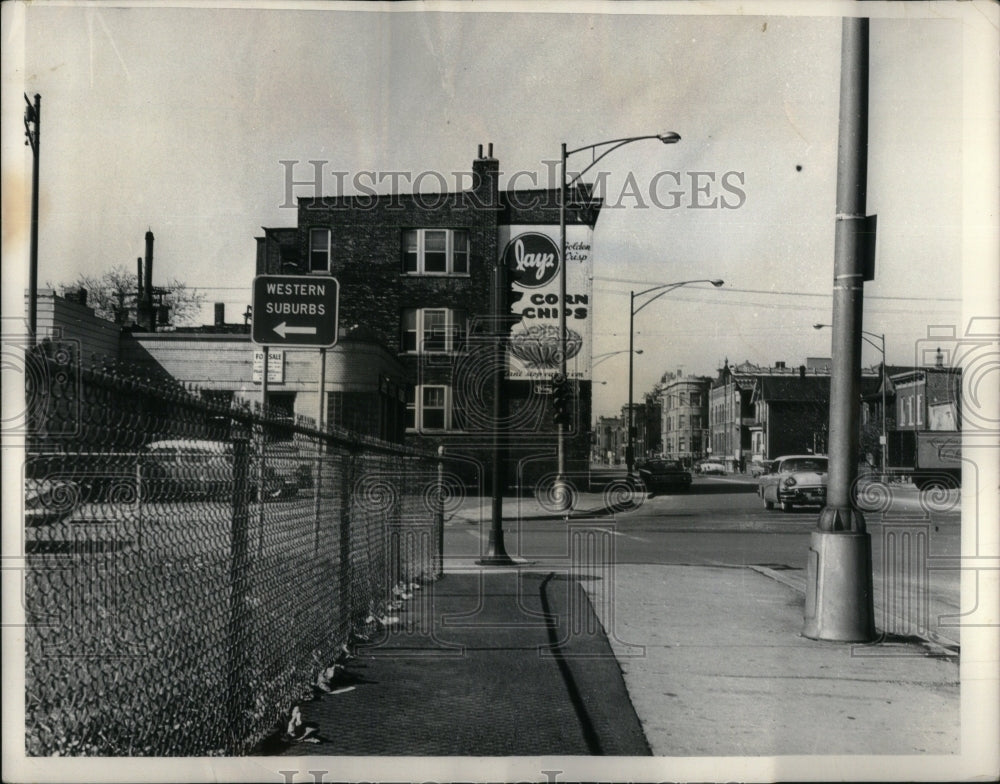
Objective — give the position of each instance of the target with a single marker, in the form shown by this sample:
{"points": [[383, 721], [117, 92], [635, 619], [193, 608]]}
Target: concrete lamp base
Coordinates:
{"points": [[839, 600]]}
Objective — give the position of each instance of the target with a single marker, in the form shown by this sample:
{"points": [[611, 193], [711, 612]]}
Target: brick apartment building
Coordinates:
{"points": [[420, 271], [684, 421]]}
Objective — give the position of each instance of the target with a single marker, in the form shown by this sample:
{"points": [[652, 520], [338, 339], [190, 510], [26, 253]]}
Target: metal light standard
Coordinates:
{"points": [[867, 337], [560, 490], [32, 132], [663, 288]]}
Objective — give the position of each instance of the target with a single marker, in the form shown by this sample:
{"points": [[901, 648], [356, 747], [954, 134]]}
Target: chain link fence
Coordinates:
{"points": [[192, 566]]}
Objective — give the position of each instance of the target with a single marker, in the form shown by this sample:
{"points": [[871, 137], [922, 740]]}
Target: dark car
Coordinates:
{"points": [[664, 476]]}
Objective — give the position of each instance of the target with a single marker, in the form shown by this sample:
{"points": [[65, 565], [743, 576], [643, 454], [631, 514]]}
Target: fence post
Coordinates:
{"points": [[317, 490], [346, 576], [238, 567], [439, 516]]}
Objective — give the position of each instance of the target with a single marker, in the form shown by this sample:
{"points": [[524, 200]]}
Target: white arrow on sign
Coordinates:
{"points": [[283, 329]]}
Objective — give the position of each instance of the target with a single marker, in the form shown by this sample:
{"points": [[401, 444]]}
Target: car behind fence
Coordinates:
{"points": [[191, 567]]}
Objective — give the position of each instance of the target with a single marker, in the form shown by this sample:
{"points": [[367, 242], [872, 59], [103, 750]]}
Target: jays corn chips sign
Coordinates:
{"points": [[533, 262]]}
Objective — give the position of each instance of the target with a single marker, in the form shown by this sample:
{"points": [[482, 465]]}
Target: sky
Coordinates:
{"points": [[177, 119]]}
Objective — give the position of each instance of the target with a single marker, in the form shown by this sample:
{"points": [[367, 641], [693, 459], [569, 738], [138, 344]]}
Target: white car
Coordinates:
{"points": [[794, 480], [712, 467]]}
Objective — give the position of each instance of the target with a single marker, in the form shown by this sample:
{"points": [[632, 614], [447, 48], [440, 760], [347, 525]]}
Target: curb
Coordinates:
{"points": [[937, 643]]}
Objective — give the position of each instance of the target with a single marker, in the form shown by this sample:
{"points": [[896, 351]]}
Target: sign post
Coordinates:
{"points": [[297, 311]]}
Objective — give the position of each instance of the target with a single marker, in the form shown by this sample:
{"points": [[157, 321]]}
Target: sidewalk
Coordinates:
{"points": [[632, 660], [481, 663]]}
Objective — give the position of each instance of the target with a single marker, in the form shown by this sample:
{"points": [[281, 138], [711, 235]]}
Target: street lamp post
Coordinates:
{"points": [[867, 337], [663, 288], [561, 491], [32, 133]]}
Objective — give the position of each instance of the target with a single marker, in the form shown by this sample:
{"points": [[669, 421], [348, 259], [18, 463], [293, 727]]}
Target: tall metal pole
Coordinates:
{"points": [[496, 554], [629, 445], [33, 130], [885, 442], [839, 602], [562, 495]]}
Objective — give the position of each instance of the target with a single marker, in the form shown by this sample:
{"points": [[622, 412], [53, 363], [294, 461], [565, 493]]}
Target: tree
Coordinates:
{"points": [[114, 296]]}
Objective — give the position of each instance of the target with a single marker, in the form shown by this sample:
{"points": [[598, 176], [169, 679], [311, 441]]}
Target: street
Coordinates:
{"points": [[722, 522], [701, 595]]}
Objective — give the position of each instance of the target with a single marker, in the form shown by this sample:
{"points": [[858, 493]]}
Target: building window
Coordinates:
{"points": [[319, 250], [432, 330], [436, 252], [428, 407]]}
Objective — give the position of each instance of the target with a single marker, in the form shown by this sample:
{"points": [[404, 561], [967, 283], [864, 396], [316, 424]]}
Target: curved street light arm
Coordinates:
{"points": [[871, 342], [880, 346], [668, 287], [666, 138]]}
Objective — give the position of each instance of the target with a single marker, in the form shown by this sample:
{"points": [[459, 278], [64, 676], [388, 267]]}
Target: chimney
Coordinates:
{"points": [[479, 155], [138, 277], [220, 314], [489, 153], [802, 371], [145, 313], [77, 295], [485, 179], [148, 285], [779, 365]]}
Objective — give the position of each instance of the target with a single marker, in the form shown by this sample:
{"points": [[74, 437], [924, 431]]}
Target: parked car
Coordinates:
{"points": [[760, 467], [179, 469], [664, 476], [712, 467], [794, 480]]}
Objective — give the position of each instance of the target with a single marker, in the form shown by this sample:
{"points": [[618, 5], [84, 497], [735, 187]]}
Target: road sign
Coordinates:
{"points": [[295, 310]]}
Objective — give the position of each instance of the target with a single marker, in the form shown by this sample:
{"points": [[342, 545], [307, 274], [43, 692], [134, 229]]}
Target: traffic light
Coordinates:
{"points": [[561, 400]]}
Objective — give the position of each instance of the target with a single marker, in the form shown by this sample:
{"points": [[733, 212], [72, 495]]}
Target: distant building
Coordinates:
{"points": [[928, 398], [609, 441], [684, 417], [730, 413], [760, 412], [645, 429]]}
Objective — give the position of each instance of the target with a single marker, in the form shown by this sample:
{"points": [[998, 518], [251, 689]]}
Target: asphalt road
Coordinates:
{"points": [[721, 521]]}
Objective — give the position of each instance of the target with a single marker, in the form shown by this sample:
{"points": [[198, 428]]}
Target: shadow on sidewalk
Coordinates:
{"points": [[481, 664]]}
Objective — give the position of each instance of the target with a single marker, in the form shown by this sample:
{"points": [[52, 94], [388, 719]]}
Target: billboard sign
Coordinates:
{"points": [[532, 259]]}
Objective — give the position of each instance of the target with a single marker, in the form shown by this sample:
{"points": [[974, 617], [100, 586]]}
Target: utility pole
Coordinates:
{"points": [[496, 554], [839, 601], [32, 130]]}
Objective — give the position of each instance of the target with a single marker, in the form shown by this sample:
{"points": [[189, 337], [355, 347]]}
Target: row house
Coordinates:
{"points": [[730, 413]]}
